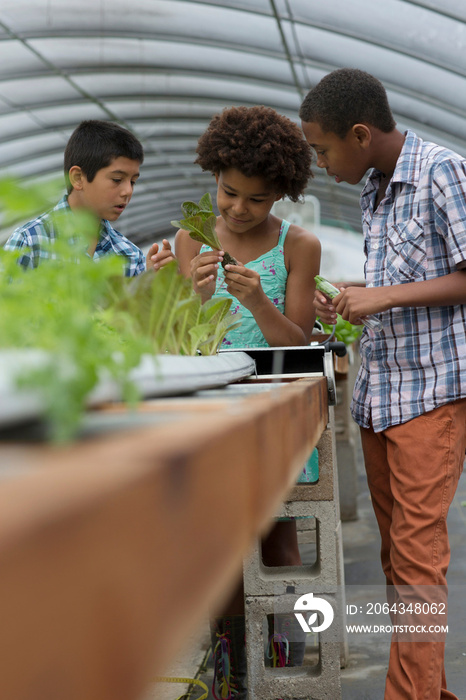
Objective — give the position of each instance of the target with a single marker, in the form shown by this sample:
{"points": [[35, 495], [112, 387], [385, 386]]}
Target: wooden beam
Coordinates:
{"points": [[113, 548]]}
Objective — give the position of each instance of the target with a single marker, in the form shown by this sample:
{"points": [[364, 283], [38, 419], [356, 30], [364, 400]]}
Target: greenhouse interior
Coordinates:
{"points": [[132, 450]]}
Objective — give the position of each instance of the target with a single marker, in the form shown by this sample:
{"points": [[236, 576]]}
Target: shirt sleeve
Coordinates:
{"points": [[18, 240], [141, 264], [112, 241], [449, 193]]}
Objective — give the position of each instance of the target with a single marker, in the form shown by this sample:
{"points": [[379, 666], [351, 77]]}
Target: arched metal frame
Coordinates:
{"points": [[164, 67]]}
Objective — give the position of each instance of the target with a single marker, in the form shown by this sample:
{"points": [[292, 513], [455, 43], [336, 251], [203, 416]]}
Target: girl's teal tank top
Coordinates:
{"points": [[273, 274]]}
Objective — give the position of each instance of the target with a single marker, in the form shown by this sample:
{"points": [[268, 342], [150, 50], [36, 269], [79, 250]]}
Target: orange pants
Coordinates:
{"points": [[413, 471]]}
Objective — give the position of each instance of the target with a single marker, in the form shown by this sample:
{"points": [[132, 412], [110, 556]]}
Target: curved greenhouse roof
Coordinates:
{"points": [[164, 67]]}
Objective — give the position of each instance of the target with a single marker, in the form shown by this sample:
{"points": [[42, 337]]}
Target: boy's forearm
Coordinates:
{"points": [[347, 283], [448, 290], [354, 303]]}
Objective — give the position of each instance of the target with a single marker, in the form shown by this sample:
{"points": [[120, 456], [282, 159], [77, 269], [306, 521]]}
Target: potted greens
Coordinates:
{"points": [[73, 332]]}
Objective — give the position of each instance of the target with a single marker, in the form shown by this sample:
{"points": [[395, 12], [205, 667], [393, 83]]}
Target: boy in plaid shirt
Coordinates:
{"points": [[101, 164], [410, 393]]}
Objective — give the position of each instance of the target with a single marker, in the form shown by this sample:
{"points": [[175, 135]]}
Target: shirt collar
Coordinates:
{"points": [[63, 203], [407, 167], [106, 229]]}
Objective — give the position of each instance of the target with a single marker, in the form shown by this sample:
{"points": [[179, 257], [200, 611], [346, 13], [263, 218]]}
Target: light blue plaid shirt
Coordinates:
{"points": [[418, 232], [34, 234]]}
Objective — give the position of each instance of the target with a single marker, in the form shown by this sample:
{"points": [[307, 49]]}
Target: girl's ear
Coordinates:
{"points": [[362, 133], [278, 197], [217, 177], [76, 177]]}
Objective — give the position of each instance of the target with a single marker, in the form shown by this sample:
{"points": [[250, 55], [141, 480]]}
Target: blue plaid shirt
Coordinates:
{"points": [[34, 234], [418, 232]]}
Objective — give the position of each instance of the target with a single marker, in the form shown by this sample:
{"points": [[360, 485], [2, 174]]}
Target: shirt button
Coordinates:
{"points": [[375, 246]]}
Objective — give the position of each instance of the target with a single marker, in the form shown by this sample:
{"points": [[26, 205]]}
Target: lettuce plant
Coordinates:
{"points": [[163, 308], [92, 321], [200, 221], [53, 308], [344, 330]]}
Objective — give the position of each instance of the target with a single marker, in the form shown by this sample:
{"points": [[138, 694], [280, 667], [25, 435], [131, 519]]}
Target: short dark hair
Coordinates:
{"points": [[257, 141], [94, 144], [345, 97]]}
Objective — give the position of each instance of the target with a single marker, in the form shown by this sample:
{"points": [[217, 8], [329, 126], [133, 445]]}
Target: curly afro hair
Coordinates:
{"points": [[257, 141]]}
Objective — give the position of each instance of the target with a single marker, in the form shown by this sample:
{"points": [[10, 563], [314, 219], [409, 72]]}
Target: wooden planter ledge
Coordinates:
{"points": [[112, 548]]}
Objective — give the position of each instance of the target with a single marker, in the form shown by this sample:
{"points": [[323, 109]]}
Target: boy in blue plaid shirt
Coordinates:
{"points": [[101, 166], [410, 394]]}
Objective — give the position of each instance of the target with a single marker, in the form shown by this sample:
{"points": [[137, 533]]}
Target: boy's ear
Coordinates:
{"points": [[363, 134], [76, 177]]}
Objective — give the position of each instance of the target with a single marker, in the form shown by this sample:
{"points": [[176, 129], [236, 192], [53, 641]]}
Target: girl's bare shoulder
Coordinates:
{"points": [[299, 239], [185, 244]]}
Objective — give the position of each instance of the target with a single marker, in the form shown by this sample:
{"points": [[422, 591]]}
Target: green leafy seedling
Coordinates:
{"points": [[345, 331], [89, 320], [200, 221]]}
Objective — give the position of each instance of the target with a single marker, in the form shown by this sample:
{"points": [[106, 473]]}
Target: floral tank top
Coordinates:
{"points": [[273, 274]]}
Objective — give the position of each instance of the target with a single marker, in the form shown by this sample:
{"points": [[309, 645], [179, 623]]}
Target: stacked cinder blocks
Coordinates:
{"points": [[266, 588]]}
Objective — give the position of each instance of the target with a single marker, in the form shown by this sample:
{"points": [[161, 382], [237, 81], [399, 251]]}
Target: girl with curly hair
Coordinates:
{"points": [[257, 157]]}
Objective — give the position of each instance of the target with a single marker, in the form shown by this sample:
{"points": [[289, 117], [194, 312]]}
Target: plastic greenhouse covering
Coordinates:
{"points": [[162, 68]]}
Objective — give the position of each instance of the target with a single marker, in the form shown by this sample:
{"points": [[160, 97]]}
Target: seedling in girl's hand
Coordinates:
{"points": [[200, 221]]}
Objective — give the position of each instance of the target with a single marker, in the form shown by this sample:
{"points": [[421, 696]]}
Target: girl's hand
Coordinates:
{"points": [[325, 307], [204, 269], [325, 310], [245, 285], [156, 258]]}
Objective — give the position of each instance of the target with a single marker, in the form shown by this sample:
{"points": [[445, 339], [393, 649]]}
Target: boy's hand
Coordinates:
{"points": [[357, 302], [245, 285], [156, 258], [204, 269]]}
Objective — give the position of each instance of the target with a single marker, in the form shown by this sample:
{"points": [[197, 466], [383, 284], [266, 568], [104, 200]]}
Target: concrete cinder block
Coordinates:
{"points": [[306, 530], [322, 576], [265, 586], [318, 682], [324, 488]]}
